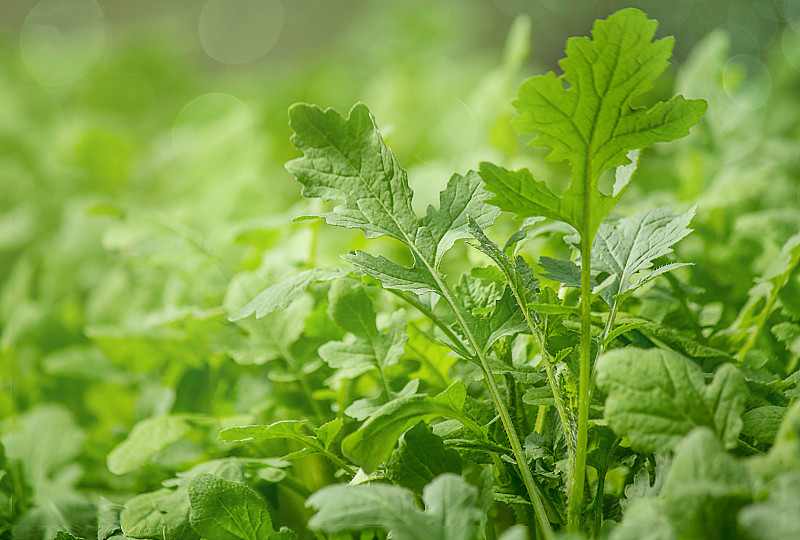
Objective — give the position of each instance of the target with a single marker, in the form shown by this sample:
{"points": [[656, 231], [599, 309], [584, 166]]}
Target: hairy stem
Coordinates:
{"points": [[578, 476]]}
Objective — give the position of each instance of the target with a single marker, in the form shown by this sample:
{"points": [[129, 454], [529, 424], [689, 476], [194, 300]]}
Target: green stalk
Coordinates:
{"points": [[578, 476], [505, 417]]}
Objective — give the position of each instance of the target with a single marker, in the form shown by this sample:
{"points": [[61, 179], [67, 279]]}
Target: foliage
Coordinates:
{"points": [[622, 364]]}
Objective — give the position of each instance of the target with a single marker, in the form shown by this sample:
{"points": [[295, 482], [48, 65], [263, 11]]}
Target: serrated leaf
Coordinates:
{"points": [[657, 396], [352, 310], [226, 510], [585, 118], [624, 248], [420, 457], [283, 293], [451, 510], [283, 429], [372, 443], [762, 423], [346, 159], [631, 244]]}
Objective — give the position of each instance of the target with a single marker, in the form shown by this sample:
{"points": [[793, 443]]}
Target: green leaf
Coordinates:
{"points": [[226, 510], [704, 488], [283, 293], [585, 117], [779, 515], [451, 510], [147, 438], [160, 515], [657, 396], [703, 491], [352, 310], [372, 443], [346, 159], [420, 457], [631, 244], [762, 423], [283, 429], [624, 248]]}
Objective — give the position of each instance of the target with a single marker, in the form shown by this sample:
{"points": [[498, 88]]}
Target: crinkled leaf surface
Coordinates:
{"points": [[451, 510], [226, 510], [657, 396], [420, 457], [585, 117], [346, 159]]}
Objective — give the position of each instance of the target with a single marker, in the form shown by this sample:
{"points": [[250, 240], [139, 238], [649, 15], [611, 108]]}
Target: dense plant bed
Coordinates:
{"points": [[522, 360]]}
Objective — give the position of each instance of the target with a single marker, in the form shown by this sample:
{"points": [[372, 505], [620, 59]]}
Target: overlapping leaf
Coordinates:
{"points": [[451, 510], [624, 248]]}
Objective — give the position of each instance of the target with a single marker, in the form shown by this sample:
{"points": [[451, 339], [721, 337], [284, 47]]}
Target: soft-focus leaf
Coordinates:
{"points": [[451, 511]]}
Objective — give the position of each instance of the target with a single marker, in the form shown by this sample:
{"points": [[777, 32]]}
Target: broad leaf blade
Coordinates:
{"points": [[657, 396], [451, 512], [226, 510]]}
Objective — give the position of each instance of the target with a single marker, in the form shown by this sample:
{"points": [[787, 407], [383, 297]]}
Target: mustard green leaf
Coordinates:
{"points": [[280, 295], [420, 457], [451, 510], [161, 514], [372, 443], [657, 396], [585, 117], [779, 515], [226, 510], [146, 439], [345, 159], [630, 245]]}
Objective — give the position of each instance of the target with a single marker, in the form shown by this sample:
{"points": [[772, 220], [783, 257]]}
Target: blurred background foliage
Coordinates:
{"points": [[144, 197]]}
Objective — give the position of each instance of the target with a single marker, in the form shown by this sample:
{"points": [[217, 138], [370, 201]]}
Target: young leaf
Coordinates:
{"points": [[352, 310], [283, 429], [451, 510], [226, 510], [590, 123], [283, 293], [656, 396], [623, 248]]}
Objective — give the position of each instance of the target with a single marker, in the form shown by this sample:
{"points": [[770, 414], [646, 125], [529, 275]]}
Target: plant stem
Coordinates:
{"points": [[505, 417], [578, 476]]}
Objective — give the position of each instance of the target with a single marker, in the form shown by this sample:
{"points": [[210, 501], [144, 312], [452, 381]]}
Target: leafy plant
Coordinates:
{"points": [[616, 358]]}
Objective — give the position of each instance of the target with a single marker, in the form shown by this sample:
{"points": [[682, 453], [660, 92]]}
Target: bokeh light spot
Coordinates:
{"points": [[240, 31], [747, 81], [61, 40], [212, 131], [790, 44]]}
